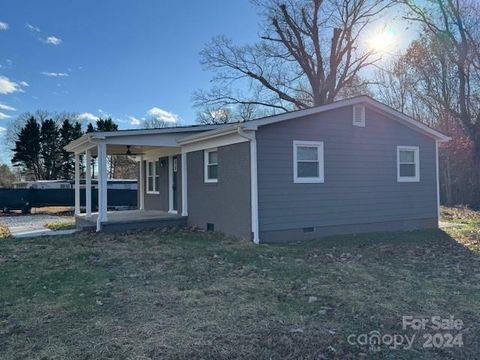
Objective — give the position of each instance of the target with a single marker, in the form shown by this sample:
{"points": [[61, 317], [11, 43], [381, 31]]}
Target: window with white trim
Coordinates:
{"points": [[211, 165], [153, 176], [308, 162], [408, 164], [359, 115]]}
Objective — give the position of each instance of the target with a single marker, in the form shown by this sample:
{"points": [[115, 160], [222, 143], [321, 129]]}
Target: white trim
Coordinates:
{"points": [[254, 190], [88, 183], [184, 185], [206, 164], [215, 142], [320, 160], [438, 180], [141, 184], [77, 184], [155, 175], [360, 123], [416, 151]]}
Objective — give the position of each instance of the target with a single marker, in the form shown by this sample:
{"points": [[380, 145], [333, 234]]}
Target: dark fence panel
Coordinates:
{"points": [[52, 197], [14, 198], [27, 198]]}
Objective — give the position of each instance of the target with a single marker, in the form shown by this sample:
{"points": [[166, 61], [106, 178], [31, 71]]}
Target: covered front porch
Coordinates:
{"points": [[161, 183]]}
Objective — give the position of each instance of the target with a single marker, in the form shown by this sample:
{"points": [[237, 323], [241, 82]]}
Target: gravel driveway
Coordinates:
{"points": [[21, 223]]}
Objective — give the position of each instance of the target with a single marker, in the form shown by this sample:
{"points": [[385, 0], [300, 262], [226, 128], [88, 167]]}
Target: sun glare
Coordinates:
{"points": [[382, 41]]}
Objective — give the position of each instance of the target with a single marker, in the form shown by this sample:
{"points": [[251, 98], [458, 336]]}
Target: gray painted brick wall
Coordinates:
{"points": [[160, 201], [225, 204]]}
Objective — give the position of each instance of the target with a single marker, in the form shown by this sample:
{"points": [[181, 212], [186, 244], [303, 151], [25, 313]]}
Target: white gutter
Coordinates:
{"points": [[253, 182]]}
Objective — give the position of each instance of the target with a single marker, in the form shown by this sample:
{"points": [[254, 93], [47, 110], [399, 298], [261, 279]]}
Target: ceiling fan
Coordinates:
{"points": [[129, 151]]}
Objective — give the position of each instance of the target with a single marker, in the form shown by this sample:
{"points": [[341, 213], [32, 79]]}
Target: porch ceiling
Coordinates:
{"points": [[117, 149]]}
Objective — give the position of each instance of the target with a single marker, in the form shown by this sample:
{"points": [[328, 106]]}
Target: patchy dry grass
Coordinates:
{"points": [[65, 224], [193, 295], [4, 232]]}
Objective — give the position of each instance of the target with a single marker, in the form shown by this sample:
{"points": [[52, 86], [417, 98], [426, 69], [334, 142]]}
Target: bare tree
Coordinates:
{"points": [[156, 123], [309, 53], [225, 115], [455, 24]]}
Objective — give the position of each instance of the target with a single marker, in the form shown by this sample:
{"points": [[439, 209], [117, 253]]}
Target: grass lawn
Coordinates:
{"points": [[194, 295]]}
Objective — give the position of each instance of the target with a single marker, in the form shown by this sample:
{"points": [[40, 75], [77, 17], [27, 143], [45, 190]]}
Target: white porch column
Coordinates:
{"points": [[88, 183], [141, 185], [102, 184], [77, 184], [184, 185], [170, 184]]}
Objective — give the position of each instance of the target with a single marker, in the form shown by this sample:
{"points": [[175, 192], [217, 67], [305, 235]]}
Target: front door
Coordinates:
{"points": [[174, 183]]}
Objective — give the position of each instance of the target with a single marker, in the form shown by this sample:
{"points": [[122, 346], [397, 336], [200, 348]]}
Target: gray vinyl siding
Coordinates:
{"points": [[360, 176], [225, 204]]}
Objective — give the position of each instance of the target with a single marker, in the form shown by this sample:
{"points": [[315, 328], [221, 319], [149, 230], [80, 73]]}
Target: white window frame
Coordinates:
{"points": [[154, 175], [321, 163], [360, 123], [416, 151], [206, 164]]}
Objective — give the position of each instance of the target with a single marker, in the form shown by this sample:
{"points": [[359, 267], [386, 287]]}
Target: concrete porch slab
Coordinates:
{"points": [[131, 220]]}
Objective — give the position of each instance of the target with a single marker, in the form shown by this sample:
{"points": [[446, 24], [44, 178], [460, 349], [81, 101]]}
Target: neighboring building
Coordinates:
{"points": [[352, 166], [43, 184], [125, 184]]}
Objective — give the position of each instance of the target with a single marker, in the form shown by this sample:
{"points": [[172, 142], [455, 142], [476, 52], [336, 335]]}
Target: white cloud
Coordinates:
{"points": [[8, 86], [52, 40], [134, 121], [7, 107], [24, 83], [32, 27], [2, 130], [104, 113], [3, 25], [54, 74], [86, 116], [4, 116], [162, 115]]}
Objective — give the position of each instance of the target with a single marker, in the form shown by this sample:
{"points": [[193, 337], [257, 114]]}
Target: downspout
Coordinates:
{"points": [[253, 181]]}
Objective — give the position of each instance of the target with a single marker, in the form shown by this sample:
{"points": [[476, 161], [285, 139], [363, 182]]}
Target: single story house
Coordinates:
{"points": [[352, 166]]}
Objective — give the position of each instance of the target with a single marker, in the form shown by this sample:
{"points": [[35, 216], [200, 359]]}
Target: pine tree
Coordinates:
{"points": [[50, 145], [106, 125], [27, 149], [68, 133]]}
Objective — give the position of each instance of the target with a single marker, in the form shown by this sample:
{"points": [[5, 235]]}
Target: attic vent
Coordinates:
{"points": [[359, 115]]}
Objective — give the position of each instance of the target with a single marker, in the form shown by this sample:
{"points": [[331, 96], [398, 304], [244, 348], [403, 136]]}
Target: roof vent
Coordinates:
{"points": [[359, 115]]}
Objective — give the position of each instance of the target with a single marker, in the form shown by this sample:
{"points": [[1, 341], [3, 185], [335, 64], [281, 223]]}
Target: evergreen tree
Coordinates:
{"points": [[27, 149], [90, 128], [49, 150], [68, 132], [106, 125]]}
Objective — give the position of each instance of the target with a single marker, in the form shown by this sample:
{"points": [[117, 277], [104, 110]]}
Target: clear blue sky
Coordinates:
{"points": [[119, 57]]}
